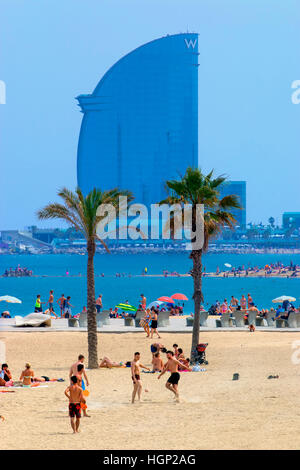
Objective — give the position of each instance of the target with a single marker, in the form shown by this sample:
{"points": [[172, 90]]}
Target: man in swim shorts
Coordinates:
{"points": [[74, 370], [136, 376], [75, 396], [172, 366]]}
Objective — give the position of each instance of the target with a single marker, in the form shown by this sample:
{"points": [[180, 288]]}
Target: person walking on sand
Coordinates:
{"points": [[154, 324], [172, 366], [136, 376], [145, 322], [75, 396], [74, 369]]}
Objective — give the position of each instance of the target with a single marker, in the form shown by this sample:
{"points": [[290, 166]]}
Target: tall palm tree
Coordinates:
{"points": [[80, 212], [196, 188]]}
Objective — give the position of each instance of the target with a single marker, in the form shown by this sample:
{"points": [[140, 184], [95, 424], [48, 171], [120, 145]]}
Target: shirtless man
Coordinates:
{"points": [[75, 396], [172, 366], [136, 376], [74, 368], [157, 363], [61, 301]]}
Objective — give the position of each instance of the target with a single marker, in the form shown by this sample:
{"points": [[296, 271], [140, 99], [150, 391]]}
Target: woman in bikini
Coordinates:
{"points": [[27, 375], [145, 322]]}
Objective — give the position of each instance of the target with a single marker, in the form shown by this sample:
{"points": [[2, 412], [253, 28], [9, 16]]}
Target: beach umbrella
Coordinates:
{"points": [[165, 298], [10, 299], [179, 297], [281, 299], [155, 303], [227, 265], [126, 307]]}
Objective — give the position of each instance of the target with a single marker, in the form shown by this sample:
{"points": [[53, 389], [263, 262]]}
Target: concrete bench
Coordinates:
{"points": [[83, 320], [128, 321], [73, 323], [203, 319], [239, 319], [225, 321], [102, 318], [139, 315], [163, 319]]}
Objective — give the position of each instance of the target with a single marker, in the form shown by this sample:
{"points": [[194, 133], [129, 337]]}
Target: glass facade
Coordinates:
{"points": [[140, 125], [239, 189]]}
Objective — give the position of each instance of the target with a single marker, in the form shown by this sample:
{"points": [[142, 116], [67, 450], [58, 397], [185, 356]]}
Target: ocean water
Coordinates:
{"points": [[50, 273]]}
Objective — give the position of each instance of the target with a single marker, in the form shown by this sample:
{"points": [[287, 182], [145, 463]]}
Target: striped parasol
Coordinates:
{"points": [[126, 307]]}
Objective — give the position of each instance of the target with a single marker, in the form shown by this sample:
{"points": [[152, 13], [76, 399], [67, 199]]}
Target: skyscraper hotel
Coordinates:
{"points": [[140, 124]]}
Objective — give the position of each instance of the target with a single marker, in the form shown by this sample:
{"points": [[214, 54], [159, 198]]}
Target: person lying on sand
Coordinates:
{"points": [[75, 396], [136, 376], [108, 363], [172, 366]]}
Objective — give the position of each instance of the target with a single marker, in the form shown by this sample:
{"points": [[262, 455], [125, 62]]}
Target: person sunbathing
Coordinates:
{"points": [[107, 363], [28, 379], [5, 376], [27, 375]]}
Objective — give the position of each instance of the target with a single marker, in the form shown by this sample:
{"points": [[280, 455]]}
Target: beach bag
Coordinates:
{"points": [[143, 322]]}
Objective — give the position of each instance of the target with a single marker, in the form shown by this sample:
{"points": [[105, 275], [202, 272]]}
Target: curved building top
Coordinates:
{"points": [[140, 125]]}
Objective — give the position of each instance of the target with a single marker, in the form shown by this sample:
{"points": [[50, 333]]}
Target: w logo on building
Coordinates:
{"points": [[190, 43]]}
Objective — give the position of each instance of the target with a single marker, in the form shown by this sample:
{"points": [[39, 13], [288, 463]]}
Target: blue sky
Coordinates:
{"points": [[53, 50]]}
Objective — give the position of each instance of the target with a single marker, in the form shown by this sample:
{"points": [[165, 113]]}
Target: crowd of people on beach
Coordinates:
{"points": [[77, 392], [273, 269], [247, 304], [17, 272]]}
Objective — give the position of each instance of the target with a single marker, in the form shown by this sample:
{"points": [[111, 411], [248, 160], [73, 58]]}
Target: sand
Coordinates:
{"points": [[215, 412]]}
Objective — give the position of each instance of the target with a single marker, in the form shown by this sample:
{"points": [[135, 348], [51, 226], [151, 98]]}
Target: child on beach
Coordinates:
{"points": [[80, 372], [75, 396], [136, 376]]}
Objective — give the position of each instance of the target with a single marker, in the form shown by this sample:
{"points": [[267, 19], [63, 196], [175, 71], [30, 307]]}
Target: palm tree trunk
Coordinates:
{"points": [[196, 256], [91, 309]]}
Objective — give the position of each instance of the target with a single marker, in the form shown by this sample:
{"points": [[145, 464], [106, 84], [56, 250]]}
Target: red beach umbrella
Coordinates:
{"points": [[164, 298], [179, 297]]}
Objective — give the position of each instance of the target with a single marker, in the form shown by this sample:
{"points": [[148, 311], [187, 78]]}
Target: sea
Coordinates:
{"points": [[66, 274]]}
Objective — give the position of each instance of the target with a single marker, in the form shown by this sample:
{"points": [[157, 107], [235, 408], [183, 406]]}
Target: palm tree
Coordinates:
{"points": [[196, 188], [80, 212]]}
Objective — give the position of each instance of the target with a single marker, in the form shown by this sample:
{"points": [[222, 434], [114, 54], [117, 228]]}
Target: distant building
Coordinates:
{"points": [[291, 219], [140, 125], [237, 188]]}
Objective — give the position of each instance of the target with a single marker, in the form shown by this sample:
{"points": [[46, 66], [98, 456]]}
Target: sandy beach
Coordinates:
{"points": [[215, 412]]}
